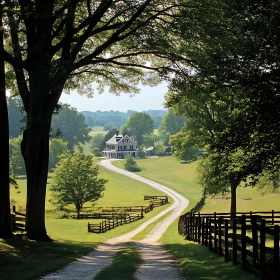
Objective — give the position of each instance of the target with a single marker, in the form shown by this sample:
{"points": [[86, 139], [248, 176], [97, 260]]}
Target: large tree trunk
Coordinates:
{"points": [[5, 214], [35, 150]]}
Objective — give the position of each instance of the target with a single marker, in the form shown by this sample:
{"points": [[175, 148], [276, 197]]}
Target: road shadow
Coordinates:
{"points": [[21, 258]]}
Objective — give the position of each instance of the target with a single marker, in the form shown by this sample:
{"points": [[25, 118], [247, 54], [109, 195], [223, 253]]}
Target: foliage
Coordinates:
{"points": [[159, 150], [130, 164], [140, 124], [96, 141], [72, 126], [16, 159], [117, 118], [96, 152], [51, 46], [236, 74], [170, 125], [75, 181], [183, 148], [57, 148], [15, 107], [108, 126]]}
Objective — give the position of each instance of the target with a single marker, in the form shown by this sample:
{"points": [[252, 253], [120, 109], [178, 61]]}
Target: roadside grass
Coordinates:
{"points": [[197, 262], [123, 267], [23, 259]]}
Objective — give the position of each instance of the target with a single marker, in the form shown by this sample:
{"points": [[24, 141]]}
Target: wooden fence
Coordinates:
{"points": [[123, 215], [106, 225], [251, 239], [157, 200], [18, 220]]}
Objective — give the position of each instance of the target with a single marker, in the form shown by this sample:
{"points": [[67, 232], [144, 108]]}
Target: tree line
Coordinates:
{"points": [[220, 59], [111, 119]]}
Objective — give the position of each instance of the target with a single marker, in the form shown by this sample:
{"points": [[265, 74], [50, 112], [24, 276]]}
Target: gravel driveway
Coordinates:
{"points": [[157, 262]]}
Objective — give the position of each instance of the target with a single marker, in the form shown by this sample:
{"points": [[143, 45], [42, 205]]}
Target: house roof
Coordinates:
{"points": [[116, 138]]}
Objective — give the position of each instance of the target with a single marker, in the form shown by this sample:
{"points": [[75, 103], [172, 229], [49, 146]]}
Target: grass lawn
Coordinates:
{"points": [[22, 259], [195, 260], [168, 171]]}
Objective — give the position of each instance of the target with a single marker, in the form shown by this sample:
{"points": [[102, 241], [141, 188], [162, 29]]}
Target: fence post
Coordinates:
{"points": [[202, 231], [226, 240], [234, 242], [199, 229], [88, 228], [272, 216], [262, 248], [255, 240], [206, 232], [210, 233], [276, 250], [220, 236], [215, 232], [243, 241]]}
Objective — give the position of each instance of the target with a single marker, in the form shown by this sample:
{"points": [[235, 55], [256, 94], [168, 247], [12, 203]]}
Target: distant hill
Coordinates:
{"points": [[111, 119]]}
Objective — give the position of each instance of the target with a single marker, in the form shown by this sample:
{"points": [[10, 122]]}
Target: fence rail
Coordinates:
{"points": [[106, 225], [251, 239], [130, 214], [18, 220]]}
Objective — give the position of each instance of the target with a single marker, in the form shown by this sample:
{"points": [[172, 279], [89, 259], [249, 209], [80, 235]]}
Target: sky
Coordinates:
{"points": [[149, 98]]}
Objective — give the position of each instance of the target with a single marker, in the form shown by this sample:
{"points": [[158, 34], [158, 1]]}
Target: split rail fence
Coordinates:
{"points": [[18, 220], [251, 239], [123, 215]]}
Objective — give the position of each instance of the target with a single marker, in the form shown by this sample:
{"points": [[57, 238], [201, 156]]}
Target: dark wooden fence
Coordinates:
{"points": [[251, 239], [157, 200], [122, 215], [108, 224], [18, 220]]}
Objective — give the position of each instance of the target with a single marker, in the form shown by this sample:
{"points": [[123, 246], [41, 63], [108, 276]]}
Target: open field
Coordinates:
{"points": [[119, 190], [167, 171], [71, 241], [71, 237]]}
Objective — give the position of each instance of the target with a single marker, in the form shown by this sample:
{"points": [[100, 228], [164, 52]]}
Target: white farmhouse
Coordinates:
{"points": [[119, 146]]}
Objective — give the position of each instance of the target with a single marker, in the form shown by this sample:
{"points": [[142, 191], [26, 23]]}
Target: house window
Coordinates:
{"points": [[124, 147], [113, 147], [120, 147]]}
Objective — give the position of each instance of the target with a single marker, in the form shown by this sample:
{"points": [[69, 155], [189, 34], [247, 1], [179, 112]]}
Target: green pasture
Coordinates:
{"points": [[120, 191], [71, 239], [172, 173]]}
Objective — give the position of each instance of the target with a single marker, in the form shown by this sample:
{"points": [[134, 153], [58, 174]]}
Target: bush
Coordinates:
{"points": [[96, 152], [134, 168], [130, 164]]}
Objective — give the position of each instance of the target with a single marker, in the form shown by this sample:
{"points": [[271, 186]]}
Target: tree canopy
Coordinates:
{"points": [[62, 45], [140, 124], [75, 181], [72, 126]]}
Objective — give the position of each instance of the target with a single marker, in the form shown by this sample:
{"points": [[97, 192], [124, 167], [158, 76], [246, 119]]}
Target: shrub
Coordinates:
{"points": [[130, 164]]}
